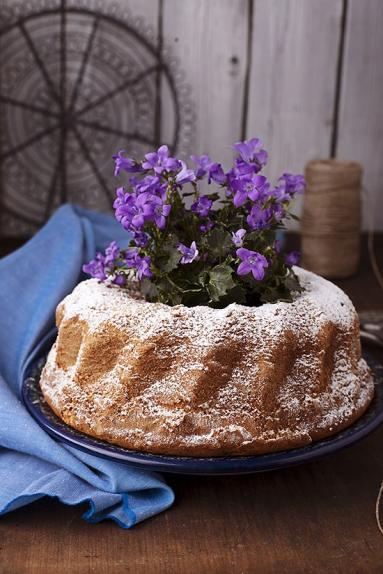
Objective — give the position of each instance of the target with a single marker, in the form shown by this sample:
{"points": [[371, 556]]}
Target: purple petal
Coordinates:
{"points": [[151, 160], [163, 152], [243, 268], [239, 198], [238, 236], [217, 174], [119, 280], [160, 221], [258, 272], [166, 209], [185, 175], [138, 220], [292, 258], [243, 253], [277, 245]]}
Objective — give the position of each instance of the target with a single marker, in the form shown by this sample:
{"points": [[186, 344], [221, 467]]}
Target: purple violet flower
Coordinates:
{"points": [[143, 267], [277, 245], [119, 280], [289, 185], [292, 258], [112, 252], [133, 210], [206, 166], [259, 218], [294, 183], [102, 265], [121, 206], [243, 168], [185, 175], [248, 186], [120, 197], [278, 212], [130, 256], [127, 164], [160, 161], [141, 209], [280, 193], [253, 262], [160, 211], [217, 174], [149, 183], [237, 237], [141, 264], [189, 254], [140, 238], [96, 267], [206, 226], [202, 206], [251, 152], [203, 163]]}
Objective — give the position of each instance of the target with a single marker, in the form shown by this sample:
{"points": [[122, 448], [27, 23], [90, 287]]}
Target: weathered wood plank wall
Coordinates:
{"points": [[360, 135], [209, 39], [293, 79], [304, 75]]}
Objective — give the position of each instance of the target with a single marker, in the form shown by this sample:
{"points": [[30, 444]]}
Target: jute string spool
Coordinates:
{"points": [[331, 218]]}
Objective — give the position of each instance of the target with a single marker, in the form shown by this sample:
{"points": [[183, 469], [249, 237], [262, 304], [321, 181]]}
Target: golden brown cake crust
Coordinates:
{"points": [[206, 382]]}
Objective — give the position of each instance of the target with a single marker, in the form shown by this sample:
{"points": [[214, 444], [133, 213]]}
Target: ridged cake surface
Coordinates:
{"points": [[207, 382]]}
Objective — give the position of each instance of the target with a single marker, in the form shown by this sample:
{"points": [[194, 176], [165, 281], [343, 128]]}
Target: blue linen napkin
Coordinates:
{"points": [[32, 465]]}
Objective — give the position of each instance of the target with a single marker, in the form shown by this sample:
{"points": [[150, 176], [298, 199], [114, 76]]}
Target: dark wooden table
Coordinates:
{"points": [[319, 517]]}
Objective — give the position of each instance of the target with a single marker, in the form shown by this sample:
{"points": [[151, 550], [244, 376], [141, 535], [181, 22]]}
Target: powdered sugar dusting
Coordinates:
{"points": [[322, 300], [239, 379]]}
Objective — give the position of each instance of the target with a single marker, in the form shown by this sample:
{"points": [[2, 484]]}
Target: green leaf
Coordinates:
{"points": [[171, 298], [173, 258], [293, 216], [168, 256], [292, 283], [197, 297], [220, 281], [253, 235], [203, 278], [214, 196], [236, 295], [168, 291], [274, 295], [148, 289], [219, 242]]}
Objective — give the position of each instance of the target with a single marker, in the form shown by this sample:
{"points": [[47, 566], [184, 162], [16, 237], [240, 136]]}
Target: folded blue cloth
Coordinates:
{"points": [[32, 282]]}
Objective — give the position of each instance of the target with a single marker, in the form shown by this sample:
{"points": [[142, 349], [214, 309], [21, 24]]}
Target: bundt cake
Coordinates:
{"points": [[198, 381]]}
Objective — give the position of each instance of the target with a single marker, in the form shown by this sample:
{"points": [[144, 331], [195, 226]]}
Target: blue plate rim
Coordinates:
{"points": [[224, 465]]}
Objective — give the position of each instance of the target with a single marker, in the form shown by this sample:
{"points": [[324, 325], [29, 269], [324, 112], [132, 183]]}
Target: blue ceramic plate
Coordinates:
{"points": [[40, 410]]}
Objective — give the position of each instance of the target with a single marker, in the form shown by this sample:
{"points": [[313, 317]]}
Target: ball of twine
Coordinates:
{"points": [[331, 218]]}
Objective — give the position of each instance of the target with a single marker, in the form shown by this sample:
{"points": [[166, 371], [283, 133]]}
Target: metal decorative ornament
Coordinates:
{"points": [[78, 82]]}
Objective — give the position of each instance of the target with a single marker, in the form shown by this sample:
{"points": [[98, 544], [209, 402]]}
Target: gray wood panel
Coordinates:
{"points": [[209, 39], [293, 80], [289, 52], [361, 103]]}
